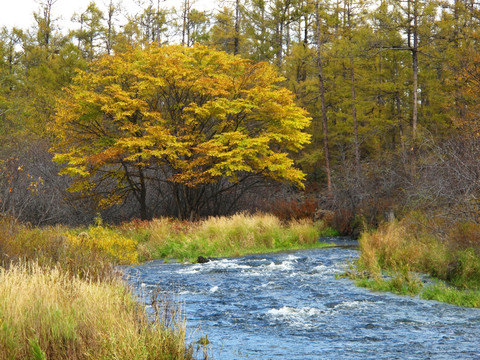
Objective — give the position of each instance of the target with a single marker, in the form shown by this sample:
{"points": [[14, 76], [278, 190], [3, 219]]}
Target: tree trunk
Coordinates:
{"points": [[108, 39], [400, 126], [355, 121], [415, 73], [354, 97], [236, 41], [415, 86], [322, 99], [185, 25], [143, 196]]}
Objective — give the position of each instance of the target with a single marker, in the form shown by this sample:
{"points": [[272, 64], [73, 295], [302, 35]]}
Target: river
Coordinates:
{"points": [[291, 306]]}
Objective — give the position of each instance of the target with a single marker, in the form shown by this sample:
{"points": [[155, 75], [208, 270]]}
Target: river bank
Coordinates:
{"points": [[395, 256], [231, 236], [65, 300], [69, 266], [60, 262], [292, 305]]}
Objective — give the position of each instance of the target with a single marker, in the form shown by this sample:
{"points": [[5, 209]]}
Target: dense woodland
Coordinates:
{"points": [[392, 89]]}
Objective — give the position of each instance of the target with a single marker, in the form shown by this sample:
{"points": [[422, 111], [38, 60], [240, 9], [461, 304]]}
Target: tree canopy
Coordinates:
{"points": [[385, 82], [182, 116]]}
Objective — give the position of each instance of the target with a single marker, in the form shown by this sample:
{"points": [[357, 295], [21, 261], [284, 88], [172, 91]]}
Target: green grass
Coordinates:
{"points": [[401, 283], [391, 255], [448, 294], [237, 235], [329, 232], [439, 291]]}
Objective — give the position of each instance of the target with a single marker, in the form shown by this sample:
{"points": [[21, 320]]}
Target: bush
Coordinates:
{"points": [[292, 209]]}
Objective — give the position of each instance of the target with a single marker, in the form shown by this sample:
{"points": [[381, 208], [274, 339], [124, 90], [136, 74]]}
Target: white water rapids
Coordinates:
{"points": [[291, 306]]}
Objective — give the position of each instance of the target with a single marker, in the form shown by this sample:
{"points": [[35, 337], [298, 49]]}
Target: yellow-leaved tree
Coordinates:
{"points": [[187, 117]]}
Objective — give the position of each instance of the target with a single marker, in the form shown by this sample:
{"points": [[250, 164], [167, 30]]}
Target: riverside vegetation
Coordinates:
{"points": [[61, 296], [398, 255], [371, 105]]}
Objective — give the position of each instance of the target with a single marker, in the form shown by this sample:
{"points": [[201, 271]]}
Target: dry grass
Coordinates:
{"points": [[401, 249], [62, 298], [392, 246], [221, 236], [50, 247], [47, 314]]}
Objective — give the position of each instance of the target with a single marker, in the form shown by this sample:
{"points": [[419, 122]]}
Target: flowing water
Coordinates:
{"points": [[291, 306]]}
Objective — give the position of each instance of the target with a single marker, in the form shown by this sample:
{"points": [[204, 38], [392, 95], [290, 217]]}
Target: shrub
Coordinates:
{"points": [[293, 209], [464, 235]]}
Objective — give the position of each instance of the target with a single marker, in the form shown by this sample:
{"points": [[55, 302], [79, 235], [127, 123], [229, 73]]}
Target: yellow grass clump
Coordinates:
{"points": [[394, 246], [121, 248], [393, 256], [48, 314]]}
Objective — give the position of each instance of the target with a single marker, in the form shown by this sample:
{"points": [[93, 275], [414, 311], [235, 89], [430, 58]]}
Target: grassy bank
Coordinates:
{"points": [[48, 314], [62, 298], [236, 235], [393, 257]]}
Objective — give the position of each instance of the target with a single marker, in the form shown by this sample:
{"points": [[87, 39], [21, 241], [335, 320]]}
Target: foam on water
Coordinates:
{"points": [[287, 312], [226, 264], [355, 304], [291, 306], [283, 266], [190, 270], [295, 317], [264, 269], [223, 264]]}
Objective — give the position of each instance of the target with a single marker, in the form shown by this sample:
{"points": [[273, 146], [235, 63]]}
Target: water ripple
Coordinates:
{"points": [[291, 306]]}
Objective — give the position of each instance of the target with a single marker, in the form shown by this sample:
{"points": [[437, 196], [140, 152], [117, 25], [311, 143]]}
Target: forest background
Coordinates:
{"points": [[392, 88]]}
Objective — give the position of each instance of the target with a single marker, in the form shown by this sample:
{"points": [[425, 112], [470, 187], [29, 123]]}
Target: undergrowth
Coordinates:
{"points": [[48, 314], [109, 241], [49, 247]]}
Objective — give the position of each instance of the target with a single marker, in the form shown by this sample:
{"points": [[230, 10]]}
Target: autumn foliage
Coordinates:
{"points": [[187, 117], [191, 131]]}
